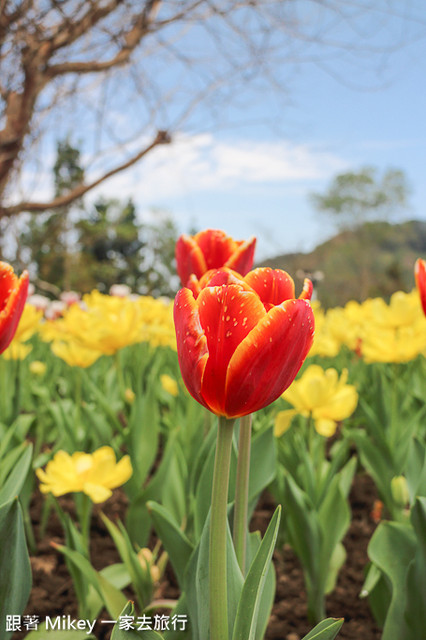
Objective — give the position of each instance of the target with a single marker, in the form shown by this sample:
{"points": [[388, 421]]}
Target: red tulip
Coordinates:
{"points": [[13, 293], [240, 345], [420, 275], [212, 249]]}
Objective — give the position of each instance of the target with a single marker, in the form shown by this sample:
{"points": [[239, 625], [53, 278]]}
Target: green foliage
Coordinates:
{"points": [[315, 492], [375, 259], [390, 442], [356, 196], [78, 248], [15, 569]]}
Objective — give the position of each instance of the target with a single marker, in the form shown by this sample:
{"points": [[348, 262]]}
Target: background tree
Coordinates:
{"points": [[125, 75], [355, 200], [116, 248], [80, 247], [50, 238], [355, 197]]}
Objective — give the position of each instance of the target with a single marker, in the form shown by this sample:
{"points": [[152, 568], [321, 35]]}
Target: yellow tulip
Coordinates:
{"points": [[393, 345], [129, 396], [169, 384], [321, 394], [37, 368], [28, 325], [74, 354], [109, 323], [17, 350], [94, 474]]}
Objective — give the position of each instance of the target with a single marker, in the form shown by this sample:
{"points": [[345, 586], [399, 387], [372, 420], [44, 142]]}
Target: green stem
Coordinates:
{"points": [[84, 509], [120, 374], [77, 398], [218, 532], [311, 436], [241, 491]]}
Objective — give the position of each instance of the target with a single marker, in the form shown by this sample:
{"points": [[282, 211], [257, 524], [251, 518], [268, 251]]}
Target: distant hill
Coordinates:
{"points": [[375, 259]]}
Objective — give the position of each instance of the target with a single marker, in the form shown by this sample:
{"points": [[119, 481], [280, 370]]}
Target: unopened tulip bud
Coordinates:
{"points": [[399, 491]]}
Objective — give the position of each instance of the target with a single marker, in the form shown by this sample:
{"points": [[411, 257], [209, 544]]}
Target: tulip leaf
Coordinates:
{"points": [[113, 598], [377, 461], [197, 585], [16, 479], [143, 431], [138, 523], [201, 458], [249, 603], [174, 540], [334, 519], [10, 460], [415, 471], [141, 579], [74, 540], [181, 609], [263, 465], [268, 593], [118, 575], [102, 430], [132, 634], [19, 428], [325, 630], [415, 614], [381, 550], [15, 571], [302, 528]]}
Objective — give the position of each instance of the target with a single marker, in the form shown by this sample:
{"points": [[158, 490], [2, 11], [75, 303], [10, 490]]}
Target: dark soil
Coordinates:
{"points": [[53, 595]]}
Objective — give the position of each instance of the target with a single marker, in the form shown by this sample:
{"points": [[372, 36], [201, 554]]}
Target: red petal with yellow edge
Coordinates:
{"points": [[307, 290], [273, 286], [267, 361], [189, 258], [242, 258], [216, 246], [13, 294], [420, 275], [191, 342], [227, 315]]}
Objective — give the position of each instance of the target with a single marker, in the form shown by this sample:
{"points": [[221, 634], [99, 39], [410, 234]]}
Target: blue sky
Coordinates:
{"points": [[251, 172], [255, 178]]}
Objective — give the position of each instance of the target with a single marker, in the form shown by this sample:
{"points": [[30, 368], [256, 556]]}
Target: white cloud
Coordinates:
{"points": [[202, 163], [199, 165]]}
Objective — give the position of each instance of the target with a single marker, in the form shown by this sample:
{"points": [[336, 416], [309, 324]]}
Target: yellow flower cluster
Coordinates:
{"points": [[104, 324], [28, 325], [379, 332], [94, 474], [322, 395]]}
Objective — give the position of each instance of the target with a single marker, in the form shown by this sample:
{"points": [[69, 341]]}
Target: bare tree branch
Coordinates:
{"points": [[147, 65], [131, 41], [162, 137]]}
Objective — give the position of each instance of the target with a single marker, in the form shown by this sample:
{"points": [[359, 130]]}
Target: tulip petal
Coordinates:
{"points": [[227, 315], [242, 258], [273, 286], [326, 428], [216, 247], [283, 421], [13, 294], [420, 276], [307, 290], [268, 359], [96, 492], [192, 343], [189, 258]]}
